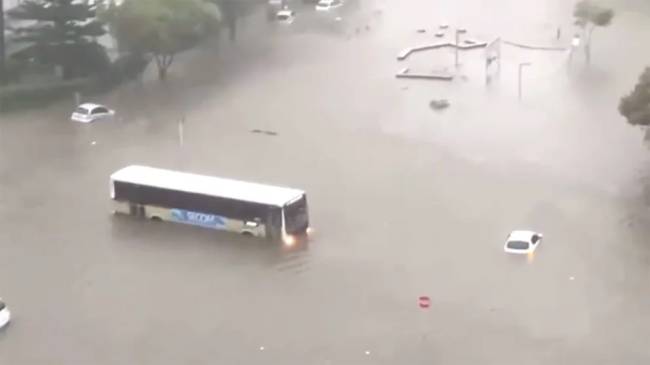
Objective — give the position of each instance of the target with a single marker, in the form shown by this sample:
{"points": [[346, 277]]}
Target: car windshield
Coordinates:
{"points": [[518, 245], [283, 17], [297, 219], [81, 110]]}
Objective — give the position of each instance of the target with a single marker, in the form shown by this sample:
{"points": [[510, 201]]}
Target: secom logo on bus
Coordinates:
{"points": [[196, 218]]}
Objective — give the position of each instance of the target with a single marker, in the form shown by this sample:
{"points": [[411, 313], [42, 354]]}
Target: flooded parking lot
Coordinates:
{"points": [[404, 202]]}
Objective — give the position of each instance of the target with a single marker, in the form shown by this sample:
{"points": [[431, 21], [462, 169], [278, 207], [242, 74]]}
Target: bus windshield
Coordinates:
{"points": [[296, 216]]}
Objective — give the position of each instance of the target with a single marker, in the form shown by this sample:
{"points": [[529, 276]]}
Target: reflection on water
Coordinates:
{"points": [[133, 235]]}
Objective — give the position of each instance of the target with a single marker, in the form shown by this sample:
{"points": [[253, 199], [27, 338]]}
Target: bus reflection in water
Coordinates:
{"points": [[272, 212]]}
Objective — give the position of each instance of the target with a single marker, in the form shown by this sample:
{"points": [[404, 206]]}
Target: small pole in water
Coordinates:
{"points": [[181, 124]]}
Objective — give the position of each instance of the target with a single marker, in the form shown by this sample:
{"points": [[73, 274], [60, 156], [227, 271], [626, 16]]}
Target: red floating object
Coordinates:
{"points": [[424, 302]]}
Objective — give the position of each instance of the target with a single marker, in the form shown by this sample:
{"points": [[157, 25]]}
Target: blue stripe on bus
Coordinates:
{"points": [[198, 219]]}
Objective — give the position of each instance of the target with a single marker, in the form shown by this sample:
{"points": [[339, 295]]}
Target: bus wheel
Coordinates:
{"points": [[156, 218]]}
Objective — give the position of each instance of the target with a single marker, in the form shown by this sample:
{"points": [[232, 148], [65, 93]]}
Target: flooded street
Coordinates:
{"points": [[405, 201]]}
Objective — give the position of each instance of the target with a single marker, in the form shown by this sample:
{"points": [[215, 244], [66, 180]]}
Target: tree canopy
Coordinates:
{"points": [[635, 107], [64, 32], [233, 10], [589, 15], [588, 12], [162, 28]]}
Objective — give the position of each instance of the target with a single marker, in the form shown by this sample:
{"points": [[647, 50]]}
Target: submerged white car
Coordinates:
{"points": [[325, 5], [285, 16], [5, 315], [88, 113], [522, 242]]}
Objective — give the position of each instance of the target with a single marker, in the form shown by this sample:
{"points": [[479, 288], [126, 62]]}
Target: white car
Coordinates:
{"points": [[5, 315], [522, 242], [87, 113], [325, 5], [285, 16]]}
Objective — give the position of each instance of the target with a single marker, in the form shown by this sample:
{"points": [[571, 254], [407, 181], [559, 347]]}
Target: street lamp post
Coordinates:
{"points": [[458, 32], [521, 67], [575, 43], [456, 53]]}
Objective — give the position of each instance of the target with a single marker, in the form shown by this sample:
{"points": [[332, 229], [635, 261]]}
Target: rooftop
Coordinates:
{"points": [[207, 185]]}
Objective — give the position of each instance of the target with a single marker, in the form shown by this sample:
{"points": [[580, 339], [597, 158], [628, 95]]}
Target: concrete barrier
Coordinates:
{"points": [[443, 76], [538, 48]]}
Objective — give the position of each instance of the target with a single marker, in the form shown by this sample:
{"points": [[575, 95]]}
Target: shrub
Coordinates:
{"points": [[15, 97]]}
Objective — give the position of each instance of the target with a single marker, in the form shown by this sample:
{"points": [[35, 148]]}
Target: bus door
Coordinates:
{"points": [[136, 210], [274, 224]]}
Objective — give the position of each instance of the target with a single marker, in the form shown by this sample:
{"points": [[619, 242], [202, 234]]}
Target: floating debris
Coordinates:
{"points": [[424, 302], [268, 133], [439, 104]]}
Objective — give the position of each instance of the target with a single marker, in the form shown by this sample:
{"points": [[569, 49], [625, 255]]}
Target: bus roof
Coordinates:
{"points": [[206, 185]]}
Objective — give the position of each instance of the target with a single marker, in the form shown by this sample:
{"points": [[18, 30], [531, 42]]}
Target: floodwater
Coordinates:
{"points": [[404, 201]]}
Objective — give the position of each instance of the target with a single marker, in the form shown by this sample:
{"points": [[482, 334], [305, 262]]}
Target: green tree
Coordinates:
{"points": [[635, 107], [162, 28], [232, 11], [64, 33], [589, 15], [3, 70]]}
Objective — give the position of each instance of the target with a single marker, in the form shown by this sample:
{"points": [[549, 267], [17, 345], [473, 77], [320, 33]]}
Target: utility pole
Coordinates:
{"points": [[521, 67], [3, 66], [575, 43], [458, 32]]}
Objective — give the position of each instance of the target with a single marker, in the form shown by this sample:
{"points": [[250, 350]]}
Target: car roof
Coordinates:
{"points": [[285, 12], [521, 235], [90, 106]]}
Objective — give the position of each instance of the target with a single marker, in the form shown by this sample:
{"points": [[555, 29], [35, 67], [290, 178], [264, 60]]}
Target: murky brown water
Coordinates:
{"points": [[405, 202]]}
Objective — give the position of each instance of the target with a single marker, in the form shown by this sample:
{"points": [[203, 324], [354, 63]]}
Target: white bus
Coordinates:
{"points": [[275, 213]]}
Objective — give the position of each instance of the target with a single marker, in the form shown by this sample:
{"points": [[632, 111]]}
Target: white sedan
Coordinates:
{"points": [[87, 113], [285, 16], [325, 5], [5, 315], [522, 242]]}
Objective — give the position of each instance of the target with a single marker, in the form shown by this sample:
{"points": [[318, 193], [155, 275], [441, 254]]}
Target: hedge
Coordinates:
{"points": [[21, 96], [14, 97]]}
